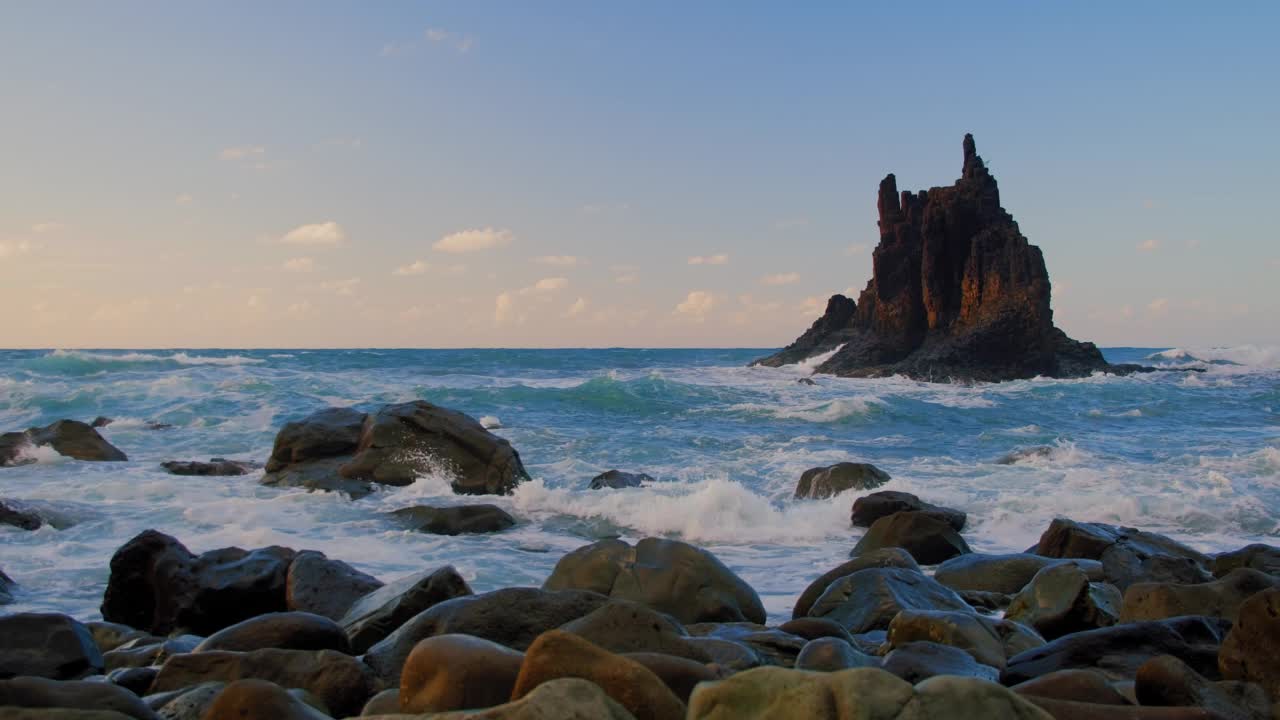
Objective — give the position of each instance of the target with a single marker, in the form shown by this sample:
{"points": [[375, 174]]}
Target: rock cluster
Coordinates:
{"points": [[957, 293]]}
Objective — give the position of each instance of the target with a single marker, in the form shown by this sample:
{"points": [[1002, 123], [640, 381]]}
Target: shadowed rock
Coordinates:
{"points": [[824, 482], [71, 438], [618, 479]]}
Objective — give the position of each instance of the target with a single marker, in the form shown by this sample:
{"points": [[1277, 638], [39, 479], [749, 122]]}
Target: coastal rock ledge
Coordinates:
{"points": [[957, 294]]}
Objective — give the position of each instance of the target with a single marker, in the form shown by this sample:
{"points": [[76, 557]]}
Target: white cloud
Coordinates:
{"points": [[325, 233], [813, 306], [577, 308], [299, 265], [342, 287], [696, 305], [1159, 305], [721, 259], [856, 249], [417, 267], [184, 200], [552, 283], [47, 227], [1149, 245], [242, 152], [440, 36], [780, 278], [15, 248], [626, 278], [558, 260], [503, 306], [254, 302], [299, 308], [467, 241]]}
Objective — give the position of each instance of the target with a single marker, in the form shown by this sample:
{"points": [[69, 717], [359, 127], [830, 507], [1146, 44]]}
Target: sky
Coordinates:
{"points": [[583, 174]]}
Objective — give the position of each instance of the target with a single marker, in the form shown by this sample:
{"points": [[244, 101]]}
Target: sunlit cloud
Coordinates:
{"points": [[696, 305], [342, 287], [1150, 245], [467, 241], [558, 260], [626, 278], [780, 278], [439, 36], [46, 228], [552, 283], [417, 267], [813, 306], [503, 308], [299, 265], [577, 308], [242, 152], [326, 233], [721, 259], [1159, 305], [12, 249], [184, 200]]}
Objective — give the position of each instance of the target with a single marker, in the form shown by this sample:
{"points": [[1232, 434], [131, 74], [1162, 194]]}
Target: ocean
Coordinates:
{"points": [[1195, 455]]}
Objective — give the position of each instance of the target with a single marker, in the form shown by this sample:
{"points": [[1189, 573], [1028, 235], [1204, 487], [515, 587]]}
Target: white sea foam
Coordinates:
{"points": [[1221, 359], [490, 422], [180, 358], [824, 411]]}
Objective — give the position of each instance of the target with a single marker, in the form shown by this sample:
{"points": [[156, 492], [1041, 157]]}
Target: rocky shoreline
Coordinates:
{"points": [[1094, 621]]}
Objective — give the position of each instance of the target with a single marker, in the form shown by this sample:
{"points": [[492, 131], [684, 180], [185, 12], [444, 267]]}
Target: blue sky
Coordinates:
{"points": [[521, 174]]}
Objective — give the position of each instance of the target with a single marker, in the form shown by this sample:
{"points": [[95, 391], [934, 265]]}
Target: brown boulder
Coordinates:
{"points": [[823, 482], [1251, 651], [1167, 681], [991, 641], [870, 508], [375, 616], [1263, 558], [71, 438], [252, 699], [621, 626], [928, 539], [37, 692], [870, 599], [1220, 598], [882, 558], [1060, 600], [457, 672], [680, 674], [285, 630], [47, 645], [1006, 574], [1128, 555], [1085, 686]]}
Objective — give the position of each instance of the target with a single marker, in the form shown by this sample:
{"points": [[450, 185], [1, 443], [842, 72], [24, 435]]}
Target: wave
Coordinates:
{"points": [[826, 411], [1257, 357], [84, 362]]}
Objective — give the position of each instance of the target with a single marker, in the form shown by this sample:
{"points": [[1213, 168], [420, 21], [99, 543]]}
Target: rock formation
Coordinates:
{"points": [[957, 293]]}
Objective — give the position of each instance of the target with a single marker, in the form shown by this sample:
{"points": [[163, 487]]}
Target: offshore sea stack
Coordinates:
{"points": [[957, 294]]}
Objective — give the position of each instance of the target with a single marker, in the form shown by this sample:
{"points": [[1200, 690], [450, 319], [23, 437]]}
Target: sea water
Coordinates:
{"points": [[1195, 455]]}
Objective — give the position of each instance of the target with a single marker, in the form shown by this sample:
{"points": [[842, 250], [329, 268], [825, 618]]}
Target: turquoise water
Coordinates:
{"points": [[1195, 455]]}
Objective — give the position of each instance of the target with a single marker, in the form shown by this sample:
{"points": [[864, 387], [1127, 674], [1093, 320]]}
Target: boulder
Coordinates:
{"points": [[455, 519], [1128, 555], [729, 655], [771, 646], [16, 514], [1060, 600], [858, 694], [376, 615], [676, 578], [188, 703], [921, 660], [928, 539], [1019, 454], [511, 616], [829, 654], [870, 508], [957, 293], [1084, 686], [215, 467], [38, 692], [71, 438], [1167, 681], [108, 635], [47, 645], [680, 675], [618, 479], [1250, 650], [882, 558], [329, 588], [1263, 558], [340, 681], [457, 672], [400, 443], [869, 599], [562, 699], [309, 452], [1118, 651], [318, 476], [386, 702], [1006, 574], [823, 482], [158, 585], [557, 654], [252, 699], [814, 628], [284, 630], [1220, 598], [990, 641], [7, 587], [144, 652], [135, 680], [622, 626]]}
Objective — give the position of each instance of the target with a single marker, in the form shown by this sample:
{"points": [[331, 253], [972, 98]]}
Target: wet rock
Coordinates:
{"points": [[1020, 454], [676, 578], [400, 443], [1060, 600], [805, 381], [916, 661], [318, 476], [341, 682], [870, 508], [101, 421], [328, 588], [557, 654], [928, 539], [47, 645], [455, 519], [7, 587], [814, 628], [882, 558], [869, 599], [830, 654], [1263, 558], [252, 699], [16, 514], [142, 652], [386, 702], [135, 680], [215, 467], [985, 601], [188, 703], [772, 646], [1167, 681], [562, 699], [679, 674], [621, 626], [860, 694], [824, 482], [1119, 651], [618, 479], [1220, 598], [727, 654], [1128, 555], [1250, 650], [457, 672], [989, 640], [957, 293], [309, 452], [1002, 573], [38, 692], [285, 630], [108, 635], [1084, 686], [376, 615], [71, 438], [158, 585], [511, 616]]}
